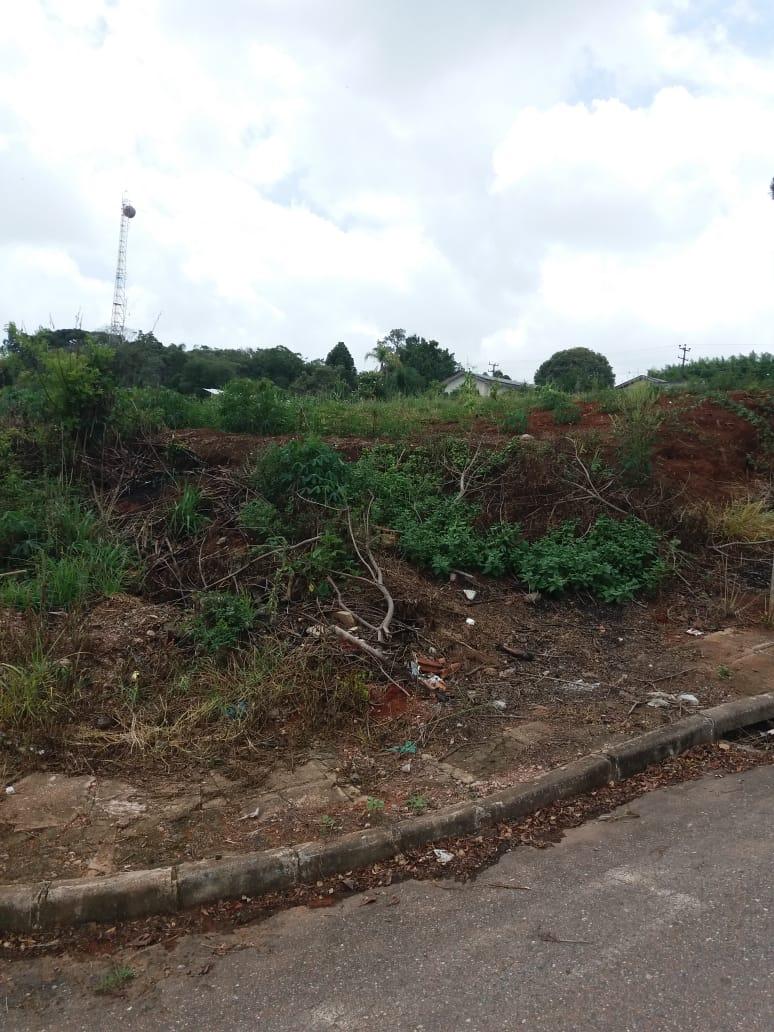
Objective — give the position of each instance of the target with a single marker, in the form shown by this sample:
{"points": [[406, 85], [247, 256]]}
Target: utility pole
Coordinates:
{"points": [[684, 349]]}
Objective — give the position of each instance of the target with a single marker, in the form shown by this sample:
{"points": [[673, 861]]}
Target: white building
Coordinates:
{"points": [[485, 385]]}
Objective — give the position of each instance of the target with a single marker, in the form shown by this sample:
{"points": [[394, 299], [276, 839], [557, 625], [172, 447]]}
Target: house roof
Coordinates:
{"points": [[482, 378], [642, 378]]}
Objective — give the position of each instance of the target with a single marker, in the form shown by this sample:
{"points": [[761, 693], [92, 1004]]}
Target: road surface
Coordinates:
{"points": [[649, 923]]}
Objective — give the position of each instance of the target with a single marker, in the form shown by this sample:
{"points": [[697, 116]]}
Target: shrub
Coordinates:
{"points": [[566, 414], [516, 421], [254, 406], [614, 560], [308, 467], [222, 621], [261, 519], [636, 426]]}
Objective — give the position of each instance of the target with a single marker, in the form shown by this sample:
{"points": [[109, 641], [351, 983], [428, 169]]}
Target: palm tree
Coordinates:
{"points": [[383, 354]]}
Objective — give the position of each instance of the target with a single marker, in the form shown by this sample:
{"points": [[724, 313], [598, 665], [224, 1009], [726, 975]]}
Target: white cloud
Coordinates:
{"points": [[306, 173]]}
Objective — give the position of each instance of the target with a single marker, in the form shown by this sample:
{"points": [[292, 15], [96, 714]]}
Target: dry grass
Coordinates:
{"points": [[742, 520]]}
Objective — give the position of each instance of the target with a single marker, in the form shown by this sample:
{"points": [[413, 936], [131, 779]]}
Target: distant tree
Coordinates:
{"points": [[370, 385], [427, 357], [280, 365], [576, 369], [753, 370], [319, 378], [204, 369], [385, 350], [340, 359]]}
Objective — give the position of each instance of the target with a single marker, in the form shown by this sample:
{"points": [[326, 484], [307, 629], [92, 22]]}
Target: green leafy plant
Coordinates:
{"points": [[614, 560], [374, 806], [261, 519], [417, 803], [566, 414], [254, 406], [222, 621], [118, 977], [636, 427], [307, 469]]}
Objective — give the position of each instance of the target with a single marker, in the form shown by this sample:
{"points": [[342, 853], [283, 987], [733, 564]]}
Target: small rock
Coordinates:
{"points": [[345, 619], [221, 541], [443, 856], [469, 594], [10, 790], [406, 768], [689, 698], [526, 437], [499, 704], [102, 722]]}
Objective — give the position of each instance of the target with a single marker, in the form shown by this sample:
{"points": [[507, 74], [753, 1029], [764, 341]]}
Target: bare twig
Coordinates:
{"points": [[376, 654]]}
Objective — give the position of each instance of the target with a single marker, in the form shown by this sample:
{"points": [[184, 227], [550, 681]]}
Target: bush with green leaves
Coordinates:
{"points": [[261, 519], [255, 406], [615, 560], [567, 414], [306, 469], [223, 620]]}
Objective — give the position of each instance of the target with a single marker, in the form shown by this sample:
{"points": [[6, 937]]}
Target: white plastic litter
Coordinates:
{"points": [[689, 698], [499, 704], [10, 790], [470, 621], [469, 594], [694, 633], [443, 856], [251, 816]]}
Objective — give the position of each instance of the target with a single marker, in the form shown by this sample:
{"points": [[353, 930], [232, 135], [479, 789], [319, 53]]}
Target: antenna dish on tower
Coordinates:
{"points": [[118, 316]]}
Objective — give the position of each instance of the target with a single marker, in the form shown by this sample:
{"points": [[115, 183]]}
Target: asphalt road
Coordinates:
{"points": [[656, 922]]}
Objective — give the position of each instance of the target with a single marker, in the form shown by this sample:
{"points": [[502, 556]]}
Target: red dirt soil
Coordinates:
{"points": [[703, 446]]}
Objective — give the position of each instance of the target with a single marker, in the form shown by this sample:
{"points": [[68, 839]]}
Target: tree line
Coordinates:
{"points": [[407, 364]]}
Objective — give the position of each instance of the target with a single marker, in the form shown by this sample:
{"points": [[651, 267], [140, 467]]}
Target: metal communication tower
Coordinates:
{"points": [[118, 317]]}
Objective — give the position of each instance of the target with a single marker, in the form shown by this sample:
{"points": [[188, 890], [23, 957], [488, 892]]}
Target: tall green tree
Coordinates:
{"points": [[428, 358], [576, 369], [341, 360]]}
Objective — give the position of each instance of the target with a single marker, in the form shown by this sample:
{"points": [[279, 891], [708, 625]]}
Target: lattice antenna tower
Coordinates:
{"points": [[118, 317]]}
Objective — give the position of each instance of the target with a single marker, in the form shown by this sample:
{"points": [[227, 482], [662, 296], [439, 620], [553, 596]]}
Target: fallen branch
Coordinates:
{"points": [[376, 654]]}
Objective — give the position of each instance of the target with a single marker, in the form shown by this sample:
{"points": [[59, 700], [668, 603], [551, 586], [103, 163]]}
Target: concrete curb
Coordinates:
{"points": [[165, 890]]}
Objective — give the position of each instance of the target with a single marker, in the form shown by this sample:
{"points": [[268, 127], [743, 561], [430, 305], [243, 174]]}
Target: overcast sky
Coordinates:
{"points": [[510, 177]]}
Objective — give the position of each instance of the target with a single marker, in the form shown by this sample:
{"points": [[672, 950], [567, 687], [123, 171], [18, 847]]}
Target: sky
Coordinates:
{"points": [[509, 177]]}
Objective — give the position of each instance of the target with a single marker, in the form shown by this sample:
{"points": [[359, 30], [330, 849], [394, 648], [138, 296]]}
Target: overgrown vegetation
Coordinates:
{"points": [[280, 582]]}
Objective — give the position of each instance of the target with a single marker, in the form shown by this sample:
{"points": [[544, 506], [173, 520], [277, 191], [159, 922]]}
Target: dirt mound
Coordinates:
{"points": [[124, 634], [708, 449]]}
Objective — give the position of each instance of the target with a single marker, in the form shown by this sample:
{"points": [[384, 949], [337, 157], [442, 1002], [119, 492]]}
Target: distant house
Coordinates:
{"points": [[643, 380], [483, 384]]}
